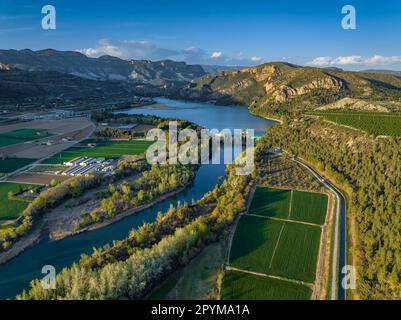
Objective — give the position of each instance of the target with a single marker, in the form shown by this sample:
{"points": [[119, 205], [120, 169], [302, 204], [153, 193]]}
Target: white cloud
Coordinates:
{"points": [[217, 55], [256, 59], [376, 60], [145, 50], [129, 49]]}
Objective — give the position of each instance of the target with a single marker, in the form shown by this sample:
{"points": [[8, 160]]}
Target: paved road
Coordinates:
{"points": [[340, 244]]}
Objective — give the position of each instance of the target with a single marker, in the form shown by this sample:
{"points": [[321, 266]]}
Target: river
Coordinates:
{"points": [[16, 274]]}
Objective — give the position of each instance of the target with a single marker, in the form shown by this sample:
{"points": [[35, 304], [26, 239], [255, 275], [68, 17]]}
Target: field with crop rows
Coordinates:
{"points": [[244, 286], [378, 123]]}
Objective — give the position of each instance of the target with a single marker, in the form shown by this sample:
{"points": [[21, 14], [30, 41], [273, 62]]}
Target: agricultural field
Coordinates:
{"points": [[106, 149], [378, 123], [245, 286], [280, 245], [9, 165], [309, 207], [277, 248], [11, 209], [287, 204], [21, 136], [271, 202]]}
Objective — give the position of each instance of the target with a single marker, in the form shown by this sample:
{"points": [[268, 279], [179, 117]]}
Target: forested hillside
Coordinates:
{"points": [[369, 170]]}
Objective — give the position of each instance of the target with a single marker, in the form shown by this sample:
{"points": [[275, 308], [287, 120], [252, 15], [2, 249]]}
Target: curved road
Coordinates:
{"points": [[340, 241]]}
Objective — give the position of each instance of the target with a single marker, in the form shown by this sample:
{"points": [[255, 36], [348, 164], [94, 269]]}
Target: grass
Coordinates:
{"points": [[9, 165], [21, 135], [277, 248], [106, 149], [11, 209], [309, 207], [163, 291], [197, 280], [243, 286], [377, 123], [271, 203]]}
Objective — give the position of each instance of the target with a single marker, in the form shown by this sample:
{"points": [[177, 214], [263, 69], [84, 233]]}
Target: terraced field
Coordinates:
{"points": [[278, 241], [245, 286], [106, 149]]}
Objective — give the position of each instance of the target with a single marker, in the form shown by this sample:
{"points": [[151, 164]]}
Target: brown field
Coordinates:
{"points": [[74, 129], [144, 127], [36, 178]]}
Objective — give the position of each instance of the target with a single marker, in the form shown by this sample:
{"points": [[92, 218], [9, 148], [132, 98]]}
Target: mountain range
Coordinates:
{"points": [[277, 87], [157, 73]]}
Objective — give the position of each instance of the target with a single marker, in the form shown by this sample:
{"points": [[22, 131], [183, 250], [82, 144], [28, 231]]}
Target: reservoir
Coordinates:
{"points": [[16, 274]]}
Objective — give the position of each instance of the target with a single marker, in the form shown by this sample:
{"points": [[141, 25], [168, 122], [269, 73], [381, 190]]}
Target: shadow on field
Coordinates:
{"points": [[270, 203]]}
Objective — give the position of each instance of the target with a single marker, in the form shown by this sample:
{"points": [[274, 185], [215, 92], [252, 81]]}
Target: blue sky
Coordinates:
{"points": [[213, 32]]}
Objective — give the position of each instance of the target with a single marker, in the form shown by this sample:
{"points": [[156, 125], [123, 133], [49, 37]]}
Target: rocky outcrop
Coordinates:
{"points": [[285, 92], [4, 66], [281, 86]]}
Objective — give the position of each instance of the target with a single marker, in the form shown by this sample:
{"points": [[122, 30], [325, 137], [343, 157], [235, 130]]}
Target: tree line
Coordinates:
{"points": [[368, 168], [130, 268]]}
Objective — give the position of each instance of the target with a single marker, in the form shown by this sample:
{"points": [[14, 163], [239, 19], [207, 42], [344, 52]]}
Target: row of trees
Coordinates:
{"points": [[46, 200], [369, 170], [157, 181], [108, 132], [132, 267]]}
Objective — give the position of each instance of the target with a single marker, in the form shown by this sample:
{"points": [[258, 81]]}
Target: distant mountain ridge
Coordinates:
{"points": [[159, 73]]}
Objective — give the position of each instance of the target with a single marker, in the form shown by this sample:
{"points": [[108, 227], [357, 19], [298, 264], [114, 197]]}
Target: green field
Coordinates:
{"points": [[20, 136], [243, 286], [296, 253], [271, 203], [309, 207], [292, 205], [45, 168], [106, 149], [11, 209], [377, 123], [11, 164], [276, 248]]}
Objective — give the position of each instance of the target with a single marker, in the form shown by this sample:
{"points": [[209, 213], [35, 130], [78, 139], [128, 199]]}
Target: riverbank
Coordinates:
{"points": [[58, 234]]}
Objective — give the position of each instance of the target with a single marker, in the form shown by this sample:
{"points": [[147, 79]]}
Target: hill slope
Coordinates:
{"points": [[18, 86], [279, 87]]}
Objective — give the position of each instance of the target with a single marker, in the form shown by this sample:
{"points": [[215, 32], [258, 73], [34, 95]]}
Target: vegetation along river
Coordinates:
{"points": [[16, 274]]}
